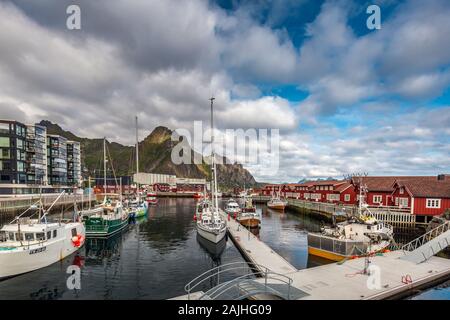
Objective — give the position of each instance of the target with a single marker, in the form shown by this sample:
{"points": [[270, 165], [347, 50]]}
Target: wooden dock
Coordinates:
{"points": [[256, 251]]}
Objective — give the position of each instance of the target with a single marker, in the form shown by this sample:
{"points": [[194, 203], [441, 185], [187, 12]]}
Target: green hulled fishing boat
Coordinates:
{"points": [[112, 218]]}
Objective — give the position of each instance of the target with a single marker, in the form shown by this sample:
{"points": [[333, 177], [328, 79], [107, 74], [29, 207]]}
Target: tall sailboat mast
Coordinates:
{"points": [[104, 165], [213, 161], [137, 159], [137, 147]]}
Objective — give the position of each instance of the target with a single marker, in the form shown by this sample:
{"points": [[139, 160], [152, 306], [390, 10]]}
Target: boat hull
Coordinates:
{"points": [[106, 230], [27, 259], [279, 207], [211, 236], [250, 222]]}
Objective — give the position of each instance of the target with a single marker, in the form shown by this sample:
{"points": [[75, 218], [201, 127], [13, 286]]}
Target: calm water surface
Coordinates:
{"points": [[156, 257]]}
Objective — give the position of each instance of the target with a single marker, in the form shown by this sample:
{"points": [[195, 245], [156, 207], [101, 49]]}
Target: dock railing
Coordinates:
{"points": [[10, 204], [423, 239], [247, 271]]}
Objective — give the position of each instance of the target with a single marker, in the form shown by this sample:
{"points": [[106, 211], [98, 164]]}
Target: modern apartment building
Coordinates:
{"points": [[36, 154], [73, 163], [56, 160], [12, 152], [30, 159]]}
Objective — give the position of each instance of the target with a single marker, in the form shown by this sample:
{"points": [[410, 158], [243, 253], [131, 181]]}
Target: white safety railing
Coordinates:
{"points": [[249, 272], [423, 239]]}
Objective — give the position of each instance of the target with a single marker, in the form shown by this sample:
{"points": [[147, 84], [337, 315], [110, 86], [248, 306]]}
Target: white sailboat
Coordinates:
{"points": [[31, 244], [137, 208], [211, 225]]}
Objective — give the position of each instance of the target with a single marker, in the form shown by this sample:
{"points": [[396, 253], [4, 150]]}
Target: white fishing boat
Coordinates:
{"points": [[211, 226], [31, 244], [113, 216], [232, 207], [358, 236], [276, 203], [248, 216]]}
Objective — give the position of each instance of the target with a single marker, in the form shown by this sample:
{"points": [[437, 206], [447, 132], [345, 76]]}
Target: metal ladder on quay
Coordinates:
{"points": [[427, 245]]}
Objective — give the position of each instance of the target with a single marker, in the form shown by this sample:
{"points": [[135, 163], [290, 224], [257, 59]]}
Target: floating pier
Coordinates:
{"points": [[256, 251], [390, 275]]}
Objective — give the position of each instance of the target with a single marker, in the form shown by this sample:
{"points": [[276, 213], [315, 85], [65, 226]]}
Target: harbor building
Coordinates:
{"points": [[57, 160], [12, 152], [421, 196], [73, 163], [33, 161], [36, 154]]}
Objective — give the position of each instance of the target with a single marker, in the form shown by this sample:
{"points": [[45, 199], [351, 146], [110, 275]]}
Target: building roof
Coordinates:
{"points": [[426, 186], [343, 186], [382, 183]]}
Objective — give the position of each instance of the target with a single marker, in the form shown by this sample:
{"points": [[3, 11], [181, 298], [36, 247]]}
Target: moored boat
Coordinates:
{"points": [[276, 203], [358, 236], [232, 208], [113, 217], [211, 226], [353, 238], [248, 216], [112, 220], [31, 244]]}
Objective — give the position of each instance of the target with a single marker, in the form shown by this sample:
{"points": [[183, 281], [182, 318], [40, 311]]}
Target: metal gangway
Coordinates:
{"points": [[427, 245], [242, 280]]}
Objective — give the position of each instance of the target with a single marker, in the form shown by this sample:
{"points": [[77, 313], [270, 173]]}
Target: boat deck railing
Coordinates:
{"points": [[343, 247]]}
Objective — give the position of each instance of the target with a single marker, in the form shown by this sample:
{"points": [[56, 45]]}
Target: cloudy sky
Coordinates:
{"points": [[345, 98]]}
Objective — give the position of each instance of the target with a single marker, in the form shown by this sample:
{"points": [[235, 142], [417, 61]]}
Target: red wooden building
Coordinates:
{"points": [[424, 196], [378, 190]]}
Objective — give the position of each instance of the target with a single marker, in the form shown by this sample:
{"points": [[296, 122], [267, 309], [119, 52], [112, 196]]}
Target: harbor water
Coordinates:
{"points": [[157, 256]]}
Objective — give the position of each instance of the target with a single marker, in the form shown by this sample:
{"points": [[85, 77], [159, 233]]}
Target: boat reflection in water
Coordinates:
{"points": [[98, 249], [214, 250]]}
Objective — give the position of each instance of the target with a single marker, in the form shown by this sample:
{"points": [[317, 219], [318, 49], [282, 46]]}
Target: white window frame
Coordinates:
{"points": [[332, 197], [401, 201], [346, 197], [433, 203], [376, 197]]}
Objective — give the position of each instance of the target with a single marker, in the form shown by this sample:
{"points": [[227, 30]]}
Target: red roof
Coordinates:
{"points": [[422, 187], [382, 183], [342, 187]]}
